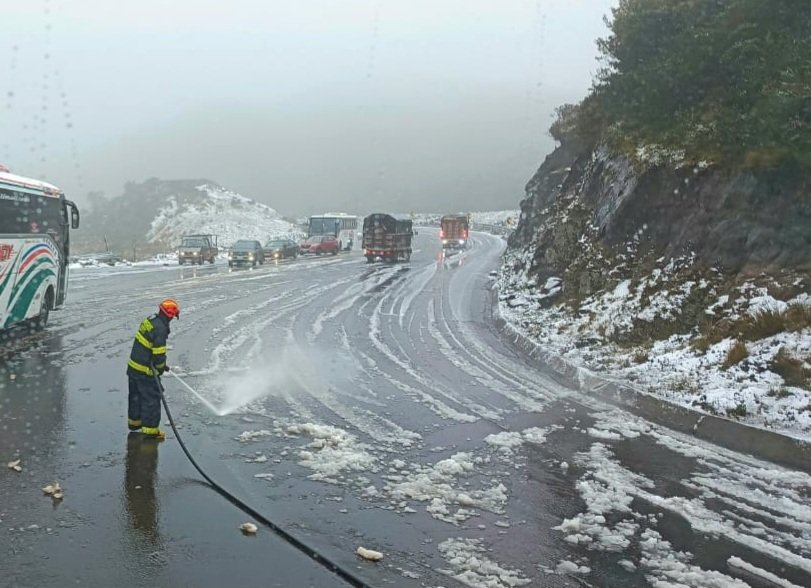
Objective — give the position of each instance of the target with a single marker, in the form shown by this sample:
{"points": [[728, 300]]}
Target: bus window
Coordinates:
{"points": [[14, 212], [28, 213]]}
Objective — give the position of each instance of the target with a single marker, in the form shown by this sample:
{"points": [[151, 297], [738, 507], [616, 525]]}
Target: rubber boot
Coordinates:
{"points": [[154, 432], [134, 424]]}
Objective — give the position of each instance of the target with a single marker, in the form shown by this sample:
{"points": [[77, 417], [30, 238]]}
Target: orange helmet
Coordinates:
{"points": [[170, 308]]}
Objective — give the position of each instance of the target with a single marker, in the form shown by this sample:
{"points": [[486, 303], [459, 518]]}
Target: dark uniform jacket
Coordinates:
{"points": [[148, 355]]}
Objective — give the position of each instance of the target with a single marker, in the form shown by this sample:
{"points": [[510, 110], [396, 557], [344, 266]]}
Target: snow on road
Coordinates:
{"points": [[377, 401]]}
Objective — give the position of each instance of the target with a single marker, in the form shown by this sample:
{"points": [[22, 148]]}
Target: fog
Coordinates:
{"points": [[351, 105]]}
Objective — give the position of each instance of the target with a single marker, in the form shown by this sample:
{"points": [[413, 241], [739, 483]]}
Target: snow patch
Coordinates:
{"points": [[471, 565], [437, 485]]}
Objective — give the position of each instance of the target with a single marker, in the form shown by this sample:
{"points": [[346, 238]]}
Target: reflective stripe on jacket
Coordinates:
{"points": [[149, 347]]}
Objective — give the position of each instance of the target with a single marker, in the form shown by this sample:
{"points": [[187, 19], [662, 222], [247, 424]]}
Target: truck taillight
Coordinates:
{"points": [[441, 234]]}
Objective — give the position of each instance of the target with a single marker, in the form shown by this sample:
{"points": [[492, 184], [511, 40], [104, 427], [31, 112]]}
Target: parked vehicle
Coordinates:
{"points": [[387, 237], [94, 259], [35, 224], [246, 252], [320, 245], [454, 230], [281, 249], [197, 249]]}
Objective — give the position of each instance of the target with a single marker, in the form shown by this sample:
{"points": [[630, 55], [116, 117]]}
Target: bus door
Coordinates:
{"points": [[69, 221]]}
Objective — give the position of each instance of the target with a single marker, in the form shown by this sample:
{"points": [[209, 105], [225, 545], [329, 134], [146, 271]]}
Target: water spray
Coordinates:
{"points": [[208, 404]]}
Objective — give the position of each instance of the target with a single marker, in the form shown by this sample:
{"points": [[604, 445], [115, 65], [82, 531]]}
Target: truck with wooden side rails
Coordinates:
{"points": [[387, 237]]}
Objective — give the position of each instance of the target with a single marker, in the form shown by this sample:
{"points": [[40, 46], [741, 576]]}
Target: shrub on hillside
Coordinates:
{"points": [[727, 81], [793, 370], [762, 324], [736, 354]]}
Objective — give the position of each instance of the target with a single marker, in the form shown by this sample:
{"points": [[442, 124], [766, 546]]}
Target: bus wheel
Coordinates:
{"points": [[369, 259], [44, 312]]}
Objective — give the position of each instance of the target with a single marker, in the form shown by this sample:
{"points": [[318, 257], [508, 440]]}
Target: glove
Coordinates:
{"points": [[166, 368]]}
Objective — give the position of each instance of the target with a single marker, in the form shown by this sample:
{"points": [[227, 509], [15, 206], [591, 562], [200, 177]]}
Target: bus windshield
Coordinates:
{"points": [[23, 213], [324, 226]]}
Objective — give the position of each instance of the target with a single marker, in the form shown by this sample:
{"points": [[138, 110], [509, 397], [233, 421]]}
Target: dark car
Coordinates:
{"points": [[246, 253], [281, 249], [320, 244]]}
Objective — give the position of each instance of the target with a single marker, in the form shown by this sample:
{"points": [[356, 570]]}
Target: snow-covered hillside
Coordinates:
{"points": [[495, 217], [149, 217], [219, 212]]}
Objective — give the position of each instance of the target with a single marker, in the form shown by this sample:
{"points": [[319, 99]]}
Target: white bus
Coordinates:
{"points": [[35, 223], [344, 227]]}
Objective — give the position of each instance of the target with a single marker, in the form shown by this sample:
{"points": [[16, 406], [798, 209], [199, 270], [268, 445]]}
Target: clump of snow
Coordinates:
{"points": [[605, 488], [508, 441], [247, 436], [471, 565], [569, 567], [438, 485], [669, 567], [333, 452], [369, 554]]}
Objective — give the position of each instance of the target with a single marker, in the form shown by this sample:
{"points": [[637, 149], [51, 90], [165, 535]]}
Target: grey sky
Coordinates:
{"points": [[304, 104]]}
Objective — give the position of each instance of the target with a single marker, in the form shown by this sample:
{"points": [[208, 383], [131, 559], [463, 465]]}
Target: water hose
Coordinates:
{"points": [[310, 552]]}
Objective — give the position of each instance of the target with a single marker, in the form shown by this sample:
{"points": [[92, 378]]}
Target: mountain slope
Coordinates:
{"points": [[220, 212], [153, 215]]}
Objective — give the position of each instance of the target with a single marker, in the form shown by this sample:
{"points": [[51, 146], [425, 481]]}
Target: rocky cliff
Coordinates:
{"points": [[589, 212], [690, 279]]}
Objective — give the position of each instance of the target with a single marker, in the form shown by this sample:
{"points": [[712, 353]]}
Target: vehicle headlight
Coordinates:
{"points": [[461, 241], [195, 253], [444, 241], [250, 256]]}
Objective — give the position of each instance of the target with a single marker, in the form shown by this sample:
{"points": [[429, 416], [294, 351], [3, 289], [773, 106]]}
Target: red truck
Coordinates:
{"points": [[454, 230]]}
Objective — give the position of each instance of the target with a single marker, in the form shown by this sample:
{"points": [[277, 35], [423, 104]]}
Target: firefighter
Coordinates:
{"points": [[147, 362]]}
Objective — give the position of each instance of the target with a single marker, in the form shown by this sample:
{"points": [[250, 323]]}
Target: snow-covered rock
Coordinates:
{"points": [[221, 212], [153, 215]]}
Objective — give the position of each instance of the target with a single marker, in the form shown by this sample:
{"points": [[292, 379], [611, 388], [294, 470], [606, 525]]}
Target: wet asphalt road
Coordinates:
{"points": [[357, 400]]}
